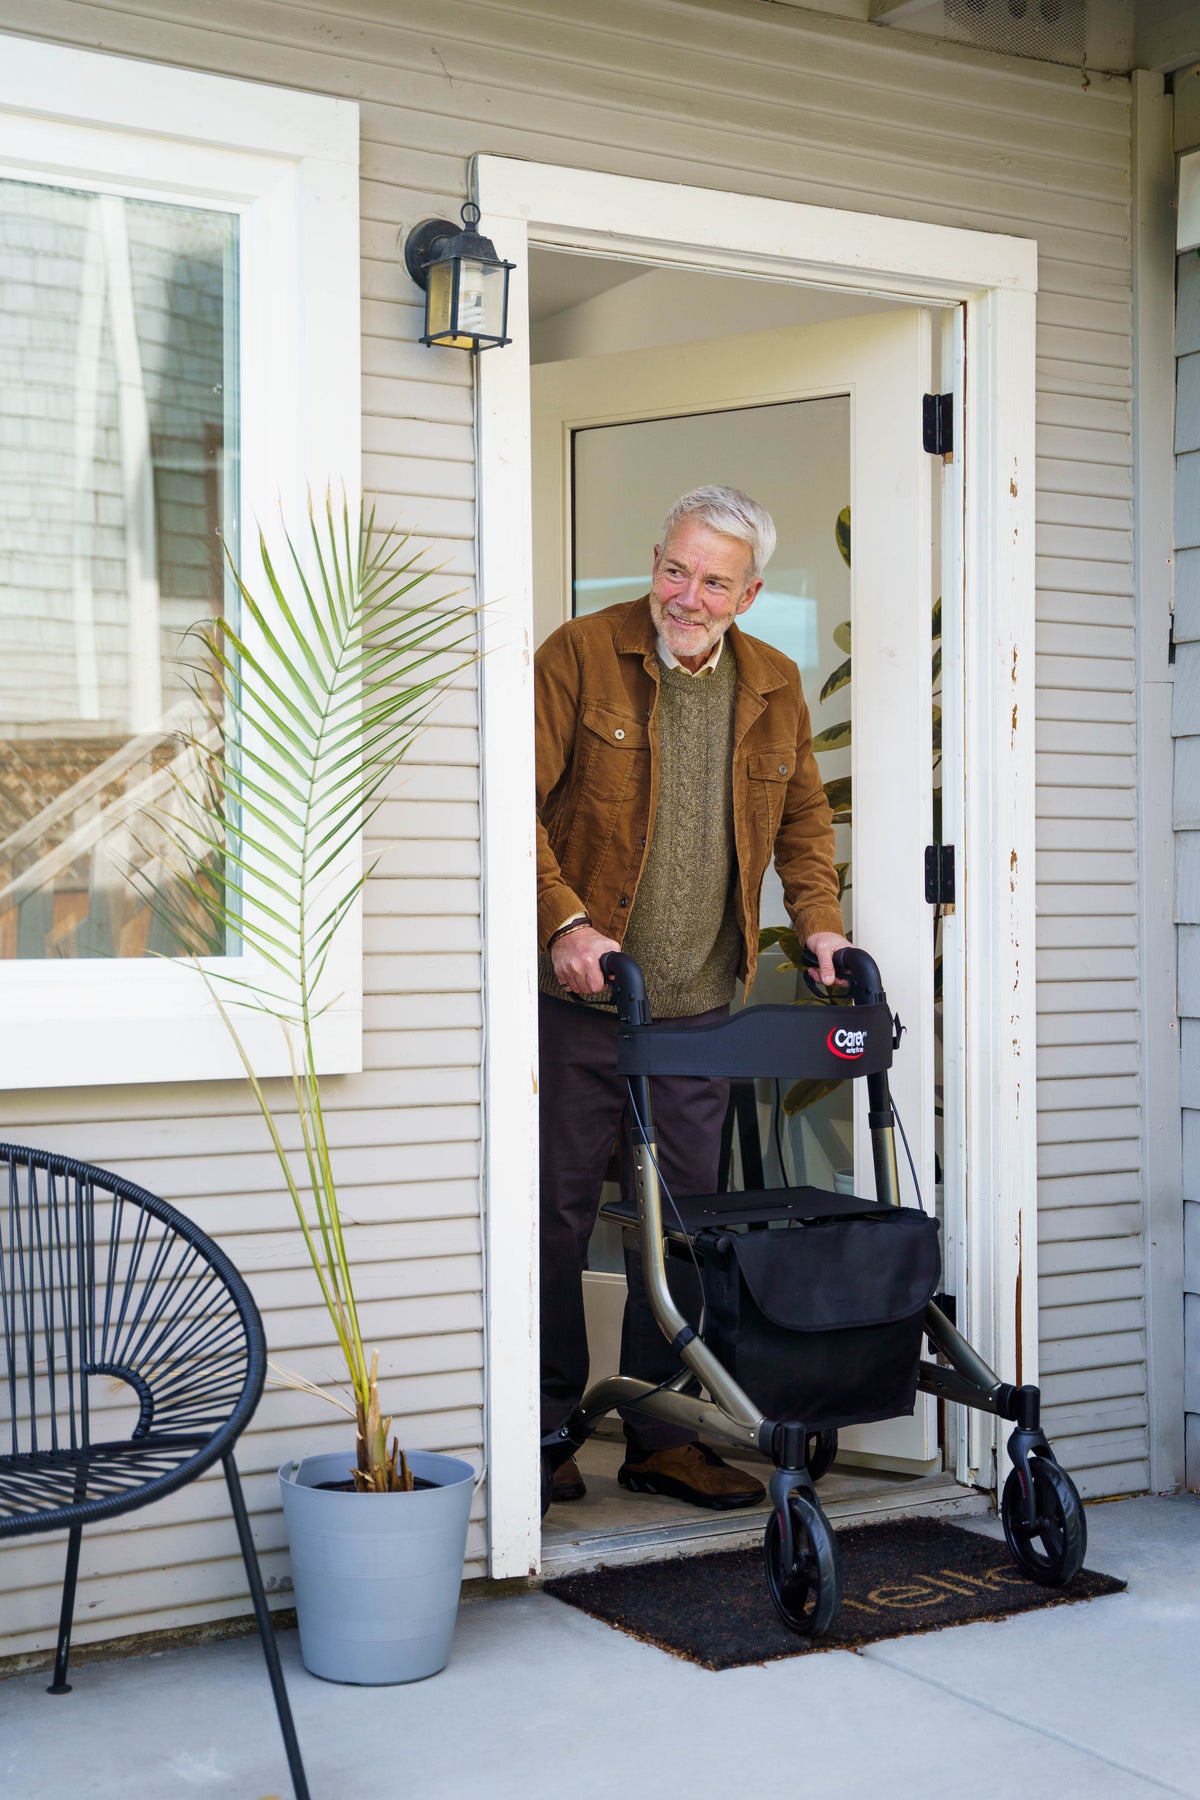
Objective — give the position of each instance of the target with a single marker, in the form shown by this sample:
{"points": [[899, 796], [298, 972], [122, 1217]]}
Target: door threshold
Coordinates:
{"points": [[610, 1527]]}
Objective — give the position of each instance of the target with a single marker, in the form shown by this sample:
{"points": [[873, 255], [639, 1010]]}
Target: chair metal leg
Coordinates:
{"points": [[266, 1630], [61, 1685]]}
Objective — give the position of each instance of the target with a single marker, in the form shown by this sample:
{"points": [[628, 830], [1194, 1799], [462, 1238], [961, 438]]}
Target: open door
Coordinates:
{"points": [[806, 420]]}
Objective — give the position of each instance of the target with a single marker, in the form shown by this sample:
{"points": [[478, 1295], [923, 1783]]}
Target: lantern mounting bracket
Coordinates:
{"points": [[426, 243]]}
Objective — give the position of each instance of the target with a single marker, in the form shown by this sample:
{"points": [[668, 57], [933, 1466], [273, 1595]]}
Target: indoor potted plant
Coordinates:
{"points": [[307, 704]]}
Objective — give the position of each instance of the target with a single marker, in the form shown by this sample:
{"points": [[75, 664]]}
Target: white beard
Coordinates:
{"points": [[684, 642]]}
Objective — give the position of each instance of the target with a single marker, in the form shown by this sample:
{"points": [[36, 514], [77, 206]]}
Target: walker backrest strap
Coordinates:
{"points": [[830, 1042]]}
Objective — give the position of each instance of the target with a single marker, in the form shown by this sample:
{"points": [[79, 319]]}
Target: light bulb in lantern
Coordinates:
{"points": [[471, 284]]}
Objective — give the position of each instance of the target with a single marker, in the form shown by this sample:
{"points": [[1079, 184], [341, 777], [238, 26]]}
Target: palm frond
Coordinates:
{"points": [[310, 699]]}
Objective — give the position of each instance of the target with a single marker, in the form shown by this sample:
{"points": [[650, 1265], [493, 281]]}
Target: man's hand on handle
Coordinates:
{"points": [[823, 944], [576, 959]]}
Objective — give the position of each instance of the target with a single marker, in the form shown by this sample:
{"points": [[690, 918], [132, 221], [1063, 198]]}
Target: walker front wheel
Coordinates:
{"points": [[808, 1593], [1053, 1548]]}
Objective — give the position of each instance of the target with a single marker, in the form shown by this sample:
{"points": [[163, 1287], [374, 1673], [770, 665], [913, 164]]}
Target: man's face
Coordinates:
{"points": [[701, 582]]}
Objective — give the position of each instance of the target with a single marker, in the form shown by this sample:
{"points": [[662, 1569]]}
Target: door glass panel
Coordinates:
{"points": [[793, 457], [118, 471]]}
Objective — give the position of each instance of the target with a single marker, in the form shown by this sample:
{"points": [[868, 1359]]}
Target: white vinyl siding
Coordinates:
{"points": [[746, 98]]}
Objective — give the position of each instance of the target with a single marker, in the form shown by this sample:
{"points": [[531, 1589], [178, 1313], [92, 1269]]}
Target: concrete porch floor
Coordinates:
{"points": [[540, 1702]]}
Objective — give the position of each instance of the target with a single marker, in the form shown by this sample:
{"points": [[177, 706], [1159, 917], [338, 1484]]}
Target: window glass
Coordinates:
{"points": [[118, 483]]}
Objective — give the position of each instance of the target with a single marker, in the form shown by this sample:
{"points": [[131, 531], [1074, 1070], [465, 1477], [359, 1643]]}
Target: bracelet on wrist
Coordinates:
{"points": [[571, 925]]}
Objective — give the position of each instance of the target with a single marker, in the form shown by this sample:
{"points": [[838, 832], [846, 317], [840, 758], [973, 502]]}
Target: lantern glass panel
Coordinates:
{"points": [[439, 305], [495, 300], [481, 299], [472, 297]]}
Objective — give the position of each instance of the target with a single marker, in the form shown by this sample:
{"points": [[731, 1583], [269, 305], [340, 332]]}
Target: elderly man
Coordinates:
{"points": [[674, 760]]}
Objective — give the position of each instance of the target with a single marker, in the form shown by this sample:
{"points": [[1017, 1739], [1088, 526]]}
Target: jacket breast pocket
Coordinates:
{"points": [[612, 763], [770, 771], [611, 741]]}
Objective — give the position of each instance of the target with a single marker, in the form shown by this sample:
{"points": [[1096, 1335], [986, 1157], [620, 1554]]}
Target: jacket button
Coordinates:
{"points": [[618, 733], [783, 768], [624, 899]]}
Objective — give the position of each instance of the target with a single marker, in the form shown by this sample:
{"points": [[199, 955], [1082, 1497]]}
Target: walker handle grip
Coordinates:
{"points": [[857, 968], [628, 985]]}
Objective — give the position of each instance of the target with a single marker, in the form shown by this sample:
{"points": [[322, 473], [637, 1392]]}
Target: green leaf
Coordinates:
{"points": [[839, 679], [786, 939], [937, 618], [807, 1093], [842, 533], [838, 794], [834, 737], [841, 636]]}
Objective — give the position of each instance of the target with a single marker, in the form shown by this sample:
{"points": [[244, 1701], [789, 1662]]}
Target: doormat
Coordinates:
{"points": [[911, 1576]]}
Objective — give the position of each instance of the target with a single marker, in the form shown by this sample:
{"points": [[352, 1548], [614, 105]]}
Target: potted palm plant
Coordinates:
{"points": [[307, 703]]}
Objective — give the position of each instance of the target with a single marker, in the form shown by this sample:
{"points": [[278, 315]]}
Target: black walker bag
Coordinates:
{"points": [[821, 1321]]}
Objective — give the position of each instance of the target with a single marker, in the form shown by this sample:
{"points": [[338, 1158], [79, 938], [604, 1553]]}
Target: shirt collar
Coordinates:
{"points": [[669, 660]]}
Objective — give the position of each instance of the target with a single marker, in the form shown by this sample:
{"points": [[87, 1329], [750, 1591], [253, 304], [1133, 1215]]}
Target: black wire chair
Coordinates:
{"points": [[111, 1300]]}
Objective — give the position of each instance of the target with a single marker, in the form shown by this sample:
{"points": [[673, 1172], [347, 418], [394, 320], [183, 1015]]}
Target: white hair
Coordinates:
{"points": [[732, 513]]}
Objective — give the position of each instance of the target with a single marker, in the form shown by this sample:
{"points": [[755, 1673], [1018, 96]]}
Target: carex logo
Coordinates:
{"points": [[847, 1044]]}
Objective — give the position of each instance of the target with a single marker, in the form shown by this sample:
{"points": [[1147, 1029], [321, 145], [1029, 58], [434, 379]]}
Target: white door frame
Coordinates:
{"points": [[992, 1158]]}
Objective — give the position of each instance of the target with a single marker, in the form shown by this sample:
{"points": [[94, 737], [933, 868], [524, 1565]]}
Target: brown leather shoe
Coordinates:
{"points": [[568, 1483], [692, 1472]]}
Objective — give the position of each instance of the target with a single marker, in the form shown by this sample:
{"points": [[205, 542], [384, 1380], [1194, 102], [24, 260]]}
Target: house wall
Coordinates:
{"points": [[1186, 726], [736, 95]]}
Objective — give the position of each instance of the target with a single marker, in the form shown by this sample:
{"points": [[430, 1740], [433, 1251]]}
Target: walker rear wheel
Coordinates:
{"points": [[808, 1594], [819, 1452], [1052, 1551]]}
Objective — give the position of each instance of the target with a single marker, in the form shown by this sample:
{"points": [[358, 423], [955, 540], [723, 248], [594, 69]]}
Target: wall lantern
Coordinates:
{"points": [[465, 282]]}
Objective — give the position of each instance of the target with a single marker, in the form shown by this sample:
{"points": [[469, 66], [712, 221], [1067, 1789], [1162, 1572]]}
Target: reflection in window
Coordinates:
{"points": [[118, 478]]}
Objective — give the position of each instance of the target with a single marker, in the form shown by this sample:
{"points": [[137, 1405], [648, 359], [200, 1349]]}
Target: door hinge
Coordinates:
{"points": [[937, 424], [939, 874], [947, 1304]]}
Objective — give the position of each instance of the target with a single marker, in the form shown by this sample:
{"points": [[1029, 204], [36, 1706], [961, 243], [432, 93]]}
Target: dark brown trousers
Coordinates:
{"points": [[584, 1105]]}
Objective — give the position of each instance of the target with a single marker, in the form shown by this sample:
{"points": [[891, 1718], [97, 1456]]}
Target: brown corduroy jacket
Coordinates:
{"points": [[596, 726]]}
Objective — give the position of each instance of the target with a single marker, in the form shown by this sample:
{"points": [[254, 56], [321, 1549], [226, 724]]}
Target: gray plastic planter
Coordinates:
{"points": [[377, 1576]]}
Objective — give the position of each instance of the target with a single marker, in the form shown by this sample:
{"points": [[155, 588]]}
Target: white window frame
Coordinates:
{"points": [[287, 164], [989, 1045]]}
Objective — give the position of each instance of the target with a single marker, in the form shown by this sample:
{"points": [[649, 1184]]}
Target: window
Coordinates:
{"points": [[179, 357], [118, 470]]}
